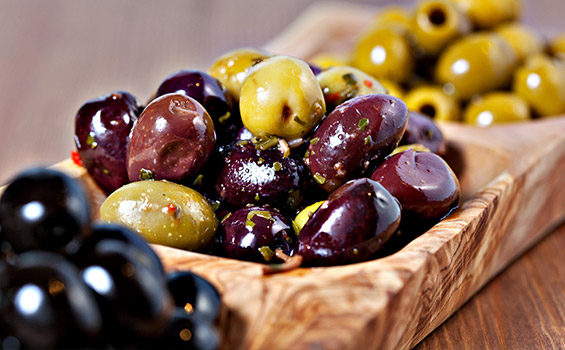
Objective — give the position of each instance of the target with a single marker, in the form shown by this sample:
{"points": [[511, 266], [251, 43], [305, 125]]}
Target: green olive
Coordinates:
{"points": [[330, 59], [394, 16], [437, 23], [164, 213], [476, 64], [305, 214], [541, 82], [281, 97], [342, 83], [231, 68], [384, 53], [497, 107], [434, 101], [393, 88], [486, 14], [525, 41], [557, 46]]}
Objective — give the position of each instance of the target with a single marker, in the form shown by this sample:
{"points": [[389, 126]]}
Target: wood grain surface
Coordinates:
{"points": [[54, 55]]}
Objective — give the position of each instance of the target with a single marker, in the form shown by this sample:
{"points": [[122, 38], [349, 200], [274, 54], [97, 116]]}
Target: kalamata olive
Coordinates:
{"points": [[354, 223], [254, 233], [44, 209], [46, 305], [102, 128], [195, 295], [163, 212], [210, 93], [422, 130], [172, 139], [252, 175], [355, 137], [423, 183]]}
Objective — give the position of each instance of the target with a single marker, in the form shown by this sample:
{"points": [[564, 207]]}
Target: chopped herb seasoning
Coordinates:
{"points": [[264, 214], [90, 140], [249, 223], [368, 140], [267, 253], [260, 161], [242, 143], [225, 218], [257, 198], [266, 144], [198, 180], [277, 166], [319, 178], [284, 148], [306, 154], [350, 79], [215, 205], [145, 174], [106, 171], [314, 140], [225, 117], [363, 123], [299, 121]]}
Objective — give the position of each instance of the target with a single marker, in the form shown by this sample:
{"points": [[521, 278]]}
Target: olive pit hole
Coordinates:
{"points": [[428, 110], [437, 16]]}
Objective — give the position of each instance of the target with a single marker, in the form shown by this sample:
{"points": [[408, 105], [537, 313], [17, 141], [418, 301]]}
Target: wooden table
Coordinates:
{"points": [[55, 55]]}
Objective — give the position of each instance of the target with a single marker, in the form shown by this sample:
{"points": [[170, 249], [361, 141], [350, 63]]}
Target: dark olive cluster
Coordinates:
{"points": [[68, 283]]}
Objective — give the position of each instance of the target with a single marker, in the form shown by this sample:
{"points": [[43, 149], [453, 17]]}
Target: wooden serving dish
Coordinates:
{"points": [[513, 192]]}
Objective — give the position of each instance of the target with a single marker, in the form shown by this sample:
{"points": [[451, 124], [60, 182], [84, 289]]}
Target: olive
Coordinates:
{"points": [[254, 233], [384, 53], [329, 59], [355, 137], [172, 139], [342, 83], [557, 46], [304, 215], [269, 176], [195, 295], [485, 14], [44, 209], [164, 213], [524, 40], [422, 130], [102, 128], [393, 88], [497, 107], [541, 82], [46, 305], [423, 183], [438, 103], [394, 16], [468, 61], [436, 23], [232, 67], [353, 224], [281, 97]]}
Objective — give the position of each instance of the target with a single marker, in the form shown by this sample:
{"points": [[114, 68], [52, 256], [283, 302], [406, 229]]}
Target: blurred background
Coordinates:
{"points": [[55, 55]]}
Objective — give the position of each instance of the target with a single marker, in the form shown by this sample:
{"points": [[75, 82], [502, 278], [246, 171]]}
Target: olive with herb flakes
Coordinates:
{"points": [[254, 233], [422, 130], [354, 138]]}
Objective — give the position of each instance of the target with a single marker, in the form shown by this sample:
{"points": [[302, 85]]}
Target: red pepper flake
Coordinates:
{"points": [[333, 96], [172, 208], [76, 158], [368, 83]]}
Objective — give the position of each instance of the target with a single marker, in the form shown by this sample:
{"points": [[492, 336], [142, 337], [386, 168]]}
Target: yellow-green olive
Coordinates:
{"points": [[486, 14], [476, 64], [330, 59], [342, 83], [525, 41], [231, 68], [164, 213], [434, 101], [497, 107], [394, 16], [557, 46], [393, 88], [415, 146], [281, 97], [305, 214], [541, 82], [384, 53], [437, 23]]}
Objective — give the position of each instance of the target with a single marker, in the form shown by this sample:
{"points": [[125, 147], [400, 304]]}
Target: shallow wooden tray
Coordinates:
{"points": [[513, 193]]}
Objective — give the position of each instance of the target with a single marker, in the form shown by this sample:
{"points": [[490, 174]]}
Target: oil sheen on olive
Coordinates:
{"points": [[354, 138], [172, 139], [422, 130], [102, 128], [423, 183], [163, 212], [354, 223]]}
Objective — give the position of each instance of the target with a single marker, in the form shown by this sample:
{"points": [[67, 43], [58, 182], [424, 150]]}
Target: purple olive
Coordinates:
{"points": [[353, 224], [254, 233], [421, 129], [251, 175], [210, 94], [355, 138], [423, 183], [102, 128], [172, 139]]}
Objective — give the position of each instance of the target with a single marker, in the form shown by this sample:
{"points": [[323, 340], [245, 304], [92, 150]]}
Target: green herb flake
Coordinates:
{"points": [[106, 171], [319, 178], [145, 174], [260, 161], [264, 214], [242, 143], [225, 218], [225, 117], [249, 224], [299, 121], [363, 123], [90, 140], [368, 140], [268, 143], [306, 154], [267, 253], [257, 197], [277, 166], [350, 79], [314, 140], [198, 180], [215, 205]]}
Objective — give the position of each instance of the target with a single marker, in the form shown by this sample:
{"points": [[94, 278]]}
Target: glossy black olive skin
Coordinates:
{"points": [[102, 128], [211, 94], [423, 183], [250, 175], [421, 129], [44, 209], [46, 305], [254, 233], [355, 138], [354, 223], [172, 139], [201, 297]]}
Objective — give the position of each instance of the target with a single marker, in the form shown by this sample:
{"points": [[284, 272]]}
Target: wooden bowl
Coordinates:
{"points": [[513, 192]]}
